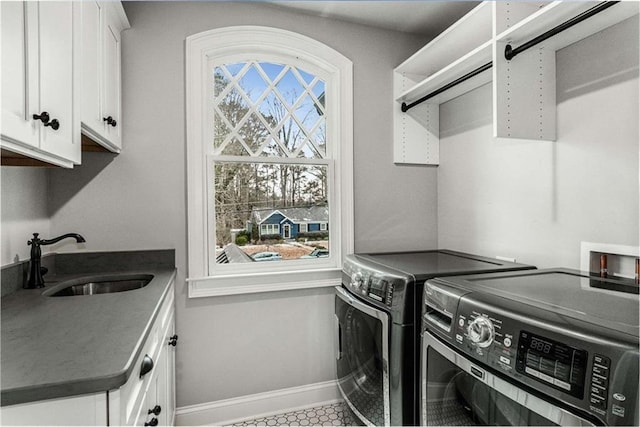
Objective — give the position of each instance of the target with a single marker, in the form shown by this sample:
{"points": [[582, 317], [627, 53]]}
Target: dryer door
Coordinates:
{"points": [[363, 358], [456, 391]]}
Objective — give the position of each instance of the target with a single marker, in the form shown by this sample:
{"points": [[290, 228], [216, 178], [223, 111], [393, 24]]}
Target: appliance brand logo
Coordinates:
{"points": [[619, 397]]}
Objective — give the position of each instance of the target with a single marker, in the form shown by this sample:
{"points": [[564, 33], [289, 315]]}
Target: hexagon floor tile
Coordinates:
{"points": [[336, 414]]}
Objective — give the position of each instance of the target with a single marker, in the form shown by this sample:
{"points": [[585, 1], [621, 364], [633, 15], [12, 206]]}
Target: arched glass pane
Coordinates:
{"points": [[261, 100]]}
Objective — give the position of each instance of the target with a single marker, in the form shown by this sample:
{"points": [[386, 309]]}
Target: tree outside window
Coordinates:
{"points": [[270, 172]]}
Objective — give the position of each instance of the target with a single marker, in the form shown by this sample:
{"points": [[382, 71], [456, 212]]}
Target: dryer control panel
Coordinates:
{"points": [[382, 288]]}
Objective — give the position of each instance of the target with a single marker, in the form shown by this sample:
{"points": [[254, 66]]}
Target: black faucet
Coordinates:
{"points": [[35, 271]]}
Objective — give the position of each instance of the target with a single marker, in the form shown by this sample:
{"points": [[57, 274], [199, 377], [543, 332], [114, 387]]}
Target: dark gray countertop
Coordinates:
{"points": [[64, 346]]}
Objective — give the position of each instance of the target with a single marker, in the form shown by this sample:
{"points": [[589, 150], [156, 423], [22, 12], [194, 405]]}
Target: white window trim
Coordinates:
{"points": [[239, 42]]}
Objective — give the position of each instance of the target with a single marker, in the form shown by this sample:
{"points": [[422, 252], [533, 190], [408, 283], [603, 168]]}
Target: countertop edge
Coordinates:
{"points": [[92, 385]]}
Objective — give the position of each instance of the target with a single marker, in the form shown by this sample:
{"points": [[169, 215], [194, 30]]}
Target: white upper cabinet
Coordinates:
{"points": [[39, 66], [102, 23]]}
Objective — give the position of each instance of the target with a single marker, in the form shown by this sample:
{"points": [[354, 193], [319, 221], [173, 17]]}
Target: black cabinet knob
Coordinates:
{"points": [[146, 366], [153, 422], [43, 117], [156, 410], [173, 340], [55, 124], [110, 121]]}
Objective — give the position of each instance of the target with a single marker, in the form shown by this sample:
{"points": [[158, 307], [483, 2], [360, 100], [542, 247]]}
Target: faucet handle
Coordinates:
{"points": [[34, 240]]}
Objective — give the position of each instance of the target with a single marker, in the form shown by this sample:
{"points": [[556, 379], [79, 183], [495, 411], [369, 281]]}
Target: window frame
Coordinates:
{"points": [[242, 43], [264, 227]]}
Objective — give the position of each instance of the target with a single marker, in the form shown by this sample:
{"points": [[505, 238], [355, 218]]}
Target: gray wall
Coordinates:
{"points": [[536, 201], [246, 344], [24, 210], [531, 200]]}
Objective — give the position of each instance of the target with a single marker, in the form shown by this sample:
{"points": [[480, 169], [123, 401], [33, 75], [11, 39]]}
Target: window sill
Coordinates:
{"points": [[239, 284]]}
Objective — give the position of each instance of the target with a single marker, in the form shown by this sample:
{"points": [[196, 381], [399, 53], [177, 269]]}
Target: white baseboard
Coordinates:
{"points": [[229, 411]]}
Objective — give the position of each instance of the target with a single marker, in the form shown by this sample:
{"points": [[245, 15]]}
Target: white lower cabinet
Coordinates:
{"points": [[88, 410], [149, 399], [154, 404], [144, 400]]}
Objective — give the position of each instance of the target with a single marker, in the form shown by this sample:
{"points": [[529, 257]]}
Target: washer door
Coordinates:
{"points": [[362, 358], [455, 391]]}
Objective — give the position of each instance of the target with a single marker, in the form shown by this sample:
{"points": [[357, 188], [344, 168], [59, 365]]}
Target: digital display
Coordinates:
{"points": [[539, 345], [552, 363]]}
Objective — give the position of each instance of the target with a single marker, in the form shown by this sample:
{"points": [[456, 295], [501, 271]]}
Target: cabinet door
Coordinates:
{"points": [[19, 73], [161, 388], [56, 78], [111, 84], [150, 400], [92, 15], [153, 411], [170, 387]]}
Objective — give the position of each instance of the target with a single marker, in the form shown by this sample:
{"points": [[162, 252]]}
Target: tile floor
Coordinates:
{"points": [[336, 414]]}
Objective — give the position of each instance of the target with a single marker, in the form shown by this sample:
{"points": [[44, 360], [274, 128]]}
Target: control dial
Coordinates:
{"points": [[481, 332], [357, 280]]}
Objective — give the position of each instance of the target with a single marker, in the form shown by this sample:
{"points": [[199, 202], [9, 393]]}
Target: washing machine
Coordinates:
{"points": [[377, 316], [542, 347]]}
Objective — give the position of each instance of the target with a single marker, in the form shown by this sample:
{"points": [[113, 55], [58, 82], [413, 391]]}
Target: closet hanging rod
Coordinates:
{"points": [[405, 107], [510, 53]]}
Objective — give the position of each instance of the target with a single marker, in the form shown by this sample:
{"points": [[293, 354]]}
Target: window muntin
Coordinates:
{"points": [[269, 110], [262, 111]]}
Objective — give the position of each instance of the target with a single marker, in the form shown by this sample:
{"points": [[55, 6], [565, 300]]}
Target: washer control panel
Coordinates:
{"points": [[575, 366], [503, 345], [483, 335], [600, 375], [552, 362], [480, 331]]}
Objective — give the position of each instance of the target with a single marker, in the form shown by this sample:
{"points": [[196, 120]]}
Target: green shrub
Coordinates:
{"points": [[313, 235]]}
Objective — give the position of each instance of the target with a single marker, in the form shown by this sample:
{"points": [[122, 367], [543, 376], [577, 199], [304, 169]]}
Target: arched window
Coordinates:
{"points": [[269, 161]]}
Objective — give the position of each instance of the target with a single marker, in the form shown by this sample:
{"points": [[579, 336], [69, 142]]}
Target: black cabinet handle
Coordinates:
{"points": [[147, 365], [153, 422], [110, 121], [44, 117], [173, 340], [155, 411], [55, 124]]}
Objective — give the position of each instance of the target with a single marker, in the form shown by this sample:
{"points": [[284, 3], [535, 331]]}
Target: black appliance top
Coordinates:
{"points": [[423, 265], [611, 303], [394, 281]]}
